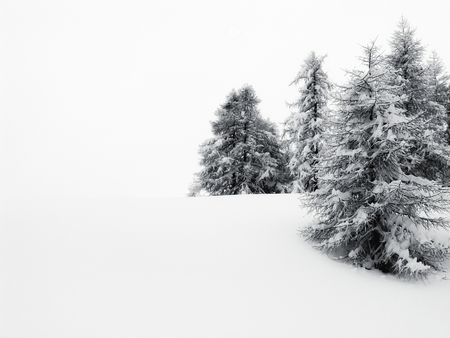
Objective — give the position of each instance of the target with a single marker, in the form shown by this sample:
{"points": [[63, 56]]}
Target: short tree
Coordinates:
{"points": [[303, 130], [244, 156], [371, 212]]}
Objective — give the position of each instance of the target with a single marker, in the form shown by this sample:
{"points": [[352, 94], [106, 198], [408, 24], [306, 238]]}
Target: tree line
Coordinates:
{"points": [[370, 157]]}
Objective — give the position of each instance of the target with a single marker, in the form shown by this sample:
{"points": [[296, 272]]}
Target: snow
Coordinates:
{"points": [[193, 267], [414, 265], [394, 117], [226, 160], [361, 216], [266, 174], [349, 152], [391, 136], [418, 180], [428, 132], [341, 196], [218, 143], [378, 71], [379, 187]]}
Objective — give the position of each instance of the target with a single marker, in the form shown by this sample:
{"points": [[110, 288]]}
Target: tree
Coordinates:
{"points": [[406, 58], [244, 156], [437, 80], [438, 87], [304, 128], [437, 92], [414, 84], [371, 211]]}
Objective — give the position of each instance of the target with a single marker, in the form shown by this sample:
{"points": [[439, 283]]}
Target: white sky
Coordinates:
{"points": [[113, 98]]}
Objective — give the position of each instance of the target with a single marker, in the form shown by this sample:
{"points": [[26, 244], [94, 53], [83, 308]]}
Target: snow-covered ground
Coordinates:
{"points": [[193, 267]]}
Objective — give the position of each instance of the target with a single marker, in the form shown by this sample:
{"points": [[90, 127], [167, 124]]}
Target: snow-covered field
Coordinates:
{"points": [[193, 267]]}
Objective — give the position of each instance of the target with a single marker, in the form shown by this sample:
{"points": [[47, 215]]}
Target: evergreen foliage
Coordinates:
{"points": [[438, 88], [244, 156], [406, 58], [437, 80], [304, 128], [415, 85], [372, 210]]}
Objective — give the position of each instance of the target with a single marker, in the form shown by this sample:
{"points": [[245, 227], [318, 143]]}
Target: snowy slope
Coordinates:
{"points": [[193, 267]]}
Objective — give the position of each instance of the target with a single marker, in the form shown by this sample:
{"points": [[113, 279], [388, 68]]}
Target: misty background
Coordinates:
{"points": [[113, 98]]}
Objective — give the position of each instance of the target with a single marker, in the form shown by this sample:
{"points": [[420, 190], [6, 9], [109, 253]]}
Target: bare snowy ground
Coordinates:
{"points": [[193, 267]]}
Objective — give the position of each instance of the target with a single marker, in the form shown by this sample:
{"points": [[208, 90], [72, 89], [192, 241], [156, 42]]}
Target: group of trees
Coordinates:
{"points": [[371, 156]]}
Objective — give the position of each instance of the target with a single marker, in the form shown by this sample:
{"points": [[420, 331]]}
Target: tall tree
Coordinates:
{"points": [[244, 156], [371, 211], [437, 79], [304, 128], [438, 93], [406, 58], [438, 86]]}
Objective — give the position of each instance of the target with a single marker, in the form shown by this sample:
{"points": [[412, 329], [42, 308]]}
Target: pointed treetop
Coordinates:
{"points": [[311, 63], [407, 50]]}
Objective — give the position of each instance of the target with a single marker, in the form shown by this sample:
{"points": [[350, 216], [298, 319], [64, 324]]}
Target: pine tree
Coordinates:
{"points": [[406, 58], [371, 211], [244, 156], [304, 128]]}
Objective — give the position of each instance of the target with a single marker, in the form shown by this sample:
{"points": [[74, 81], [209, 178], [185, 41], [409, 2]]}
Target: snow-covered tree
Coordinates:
{"points": [[437, 80], [371, 211], [438, 86], [303, 129], [414, 85], [244, 156], [406, 57]]}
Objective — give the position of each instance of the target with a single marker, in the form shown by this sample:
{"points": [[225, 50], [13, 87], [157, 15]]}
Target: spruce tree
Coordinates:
{"points": [[413, 84], [437, 92], [244, 156], [437, 80], [438, 86], [406, 58], [304, 128], [372, 212]]}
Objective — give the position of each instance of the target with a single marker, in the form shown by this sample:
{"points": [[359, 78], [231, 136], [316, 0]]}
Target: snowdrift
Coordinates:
{"points": [[194, 267]]}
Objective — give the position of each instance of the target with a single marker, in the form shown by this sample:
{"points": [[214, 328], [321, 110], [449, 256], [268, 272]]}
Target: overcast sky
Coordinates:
{"points": [[113, 98]]}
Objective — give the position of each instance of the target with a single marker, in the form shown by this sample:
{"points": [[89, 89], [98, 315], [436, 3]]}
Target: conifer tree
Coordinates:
{"points": [[304, 128], [437, 92], [371, 211], [437, 82], [406, 58], [244, 156]]}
